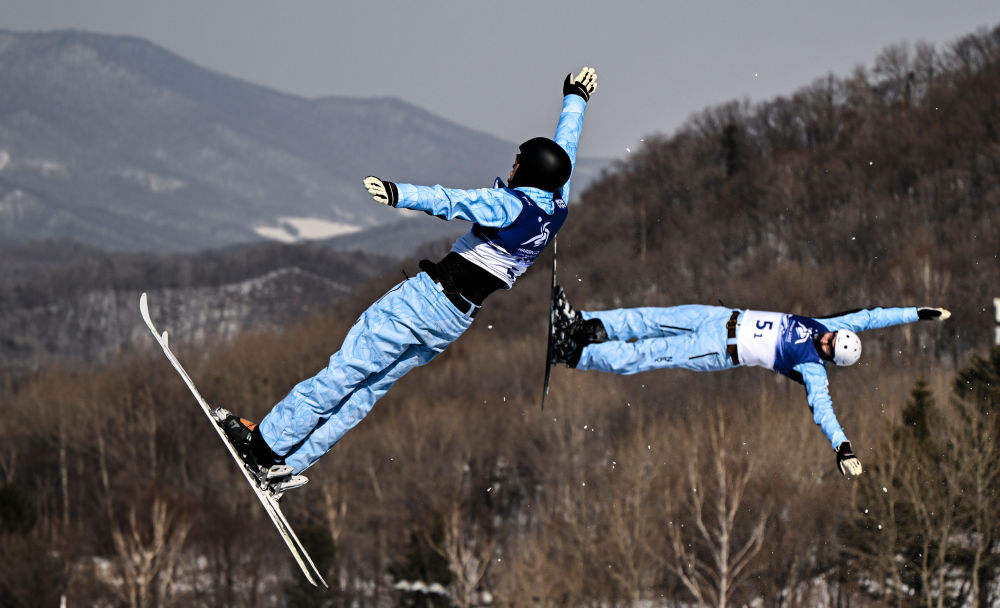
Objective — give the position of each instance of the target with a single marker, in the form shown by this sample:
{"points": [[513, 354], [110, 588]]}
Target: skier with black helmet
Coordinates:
{"points": [[714, 338], [420, 317]]}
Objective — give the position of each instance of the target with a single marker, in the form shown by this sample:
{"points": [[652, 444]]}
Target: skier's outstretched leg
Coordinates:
{"points": [[655, 322], [406, 328], [358, 403], [690, 337]]}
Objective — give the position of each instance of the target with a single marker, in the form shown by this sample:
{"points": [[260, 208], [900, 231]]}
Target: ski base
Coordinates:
{"points": [[552, 325], [549, 360]]}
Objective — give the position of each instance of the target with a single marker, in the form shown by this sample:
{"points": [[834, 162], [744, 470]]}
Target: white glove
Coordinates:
{"points": [[847, 462], [384, 193], [583, 85], [925, 313]]}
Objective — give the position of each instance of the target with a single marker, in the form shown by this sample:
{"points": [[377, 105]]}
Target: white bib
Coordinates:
{"points": [[493, 260], [757, 337]]}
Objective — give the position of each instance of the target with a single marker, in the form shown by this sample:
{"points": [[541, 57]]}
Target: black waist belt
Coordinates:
{"points": [[462, 282], [731, 334]]}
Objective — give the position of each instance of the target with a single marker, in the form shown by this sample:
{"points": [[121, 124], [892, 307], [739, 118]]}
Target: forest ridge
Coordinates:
{"points": [[878, 189], [663, 489]]}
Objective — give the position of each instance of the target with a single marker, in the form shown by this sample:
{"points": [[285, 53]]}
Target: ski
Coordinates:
{"points": [[269, 502], [552, 324]]}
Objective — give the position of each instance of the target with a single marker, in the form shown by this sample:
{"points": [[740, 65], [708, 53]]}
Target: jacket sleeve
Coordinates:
{"points": [[872, 318], [492, 207], [818, 395], [568, 131]]}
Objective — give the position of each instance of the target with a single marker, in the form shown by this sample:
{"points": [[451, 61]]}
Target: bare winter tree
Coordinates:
{"points": [[469, 551], [926, 523], [630, 518], [712, 544], [978, 391], [149, 552], [874, 536]]}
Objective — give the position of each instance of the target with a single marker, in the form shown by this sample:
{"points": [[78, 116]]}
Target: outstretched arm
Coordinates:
{"points": [[818, 395], [490, 206], [485, 206], [871, 318], [576, 92], [820, 402]]}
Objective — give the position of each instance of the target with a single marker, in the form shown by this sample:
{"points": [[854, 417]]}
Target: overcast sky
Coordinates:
{"points": [[498, 66]]}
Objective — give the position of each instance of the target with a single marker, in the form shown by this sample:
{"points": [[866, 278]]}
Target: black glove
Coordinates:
{"points": [[583, 85], [847, 462], [382, 191], [926, 313]]}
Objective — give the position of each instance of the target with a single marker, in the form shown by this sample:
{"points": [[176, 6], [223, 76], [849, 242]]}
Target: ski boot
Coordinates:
{"points": [[565, 317], [564, 323], [572, 333], [264, 465], [563, 347]]}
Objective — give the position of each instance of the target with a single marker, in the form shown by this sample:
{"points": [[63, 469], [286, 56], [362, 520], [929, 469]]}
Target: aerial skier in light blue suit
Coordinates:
{"points": [[714, 338], [418, 318]]}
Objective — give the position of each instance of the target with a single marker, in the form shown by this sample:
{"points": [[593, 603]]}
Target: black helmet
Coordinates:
{"points": [[543, 164]]}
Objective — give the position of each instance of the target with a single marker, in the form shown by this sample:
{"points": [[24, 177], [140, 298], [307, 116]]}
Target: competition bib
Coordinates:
{"points": [[757, 337]]}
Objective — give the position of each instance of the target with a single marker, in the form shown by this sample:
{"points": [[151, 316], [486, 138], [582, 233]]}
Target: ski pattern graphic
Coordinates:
{"points": [[298, 552], [552, 324]]}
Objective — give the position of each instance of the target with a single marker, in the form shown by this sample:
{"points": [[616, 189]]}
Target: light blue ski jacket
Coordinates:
{"points": [[813, 373]]}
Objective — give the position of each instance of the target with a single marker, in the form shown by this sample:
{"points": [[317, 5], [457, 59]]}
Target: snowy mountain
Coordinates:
{"points": [[118, 143]]}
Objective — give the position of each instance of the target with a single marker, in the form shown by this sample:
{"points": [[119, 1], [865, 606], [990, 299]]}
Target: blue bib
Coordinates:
{"points": [[795, 344], [529, 233]]}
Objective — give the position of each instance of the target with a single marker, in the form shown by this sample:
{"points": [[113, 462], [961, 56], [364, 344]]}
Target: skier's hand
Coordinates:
{"points": [[847, 462], [584, 84], [383, 192], [925, 313]]}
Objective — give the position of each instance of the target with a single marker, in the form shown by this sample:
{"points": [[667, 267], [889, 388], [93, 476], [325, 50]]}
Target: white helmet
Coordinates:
{"points": [[847, 349]]}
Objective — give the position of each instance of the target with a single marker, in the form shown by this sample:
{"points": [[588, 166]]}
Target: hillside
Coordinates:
{"points": [[70, 304], [120, 144], [879, 189]]}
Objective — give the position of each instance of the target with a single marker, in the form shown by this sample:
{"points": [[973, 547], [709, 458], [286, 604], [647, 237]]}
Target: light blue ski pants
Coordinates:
{"points": [[407, 327], [691, 336]]}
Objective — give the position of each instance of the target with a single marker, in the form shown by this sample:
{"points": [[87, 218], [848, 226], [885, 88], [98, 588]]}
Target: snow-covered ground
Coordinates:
{"points": [[294, 229]]}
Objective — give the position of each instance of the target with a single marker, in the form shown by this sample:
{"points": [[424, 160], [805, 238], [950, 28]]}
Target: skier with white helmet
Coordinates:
{"points": [[714, 338], [417, 319]]}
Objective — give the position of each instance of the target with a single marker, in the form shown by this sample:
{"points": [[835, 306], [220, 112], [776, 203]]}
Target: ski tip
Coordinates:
{"points": [[163, 337]]}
